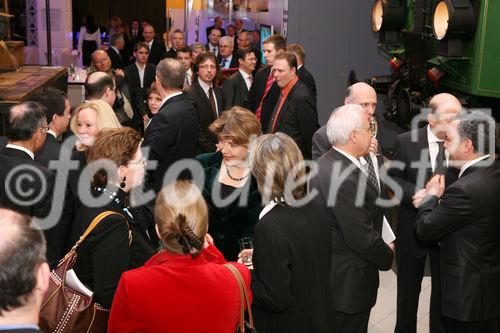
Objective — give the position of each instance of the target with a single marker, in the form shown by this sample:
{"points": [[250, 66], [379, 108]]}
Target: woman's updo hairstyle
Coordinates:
{"points": [[182, 218]]}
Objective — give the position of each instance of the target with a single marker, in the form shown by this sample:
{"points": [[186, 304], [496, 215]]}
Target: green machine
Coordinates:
{"points": [[438, 46]]}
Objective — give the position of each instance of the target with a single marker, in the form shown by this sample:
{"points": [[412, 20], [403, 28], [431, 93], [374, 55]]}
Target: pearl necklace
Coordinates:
{"points": [[234, 178]]}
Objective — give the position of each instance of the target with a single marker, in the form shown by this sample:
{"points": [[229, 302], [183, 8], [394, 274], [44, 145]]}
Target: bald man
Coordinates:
{"points": [[411, 254], [363, 94]]}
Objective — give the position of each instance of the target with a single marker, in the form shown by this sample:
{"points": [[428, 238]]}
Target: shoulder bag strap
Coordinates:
{"points": [[91, 227], [244, 296]]}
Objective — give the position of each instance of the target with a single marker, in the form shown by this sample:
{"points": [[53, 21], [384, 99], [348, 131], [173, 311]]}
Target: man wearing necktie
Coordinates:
{"points": [[421, 154], [213, 41], [463, 217], [207, 98], [235, 88], [226, 57]]}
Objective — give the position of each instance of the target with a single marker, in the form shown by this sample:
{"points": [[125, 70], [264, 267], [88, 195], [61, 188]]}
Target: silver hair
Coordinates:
{"points": [[343, 121], [228, 39], [477, 126]]}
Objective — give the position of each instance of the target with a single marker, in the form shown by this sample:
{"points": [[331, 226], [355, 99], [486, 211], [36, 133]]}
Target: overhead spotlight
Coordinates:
{"points": [[453, 19], [388, 15]]}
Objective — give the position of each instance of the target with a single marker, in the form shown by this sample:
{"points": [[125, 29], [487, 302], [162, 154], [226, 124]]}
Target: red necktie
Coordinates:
{"points": [[269, 83]]}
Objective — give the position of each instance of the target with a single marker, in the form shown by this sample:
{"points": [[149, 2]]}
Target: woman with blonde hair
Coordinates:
{"points": [[86, 122], [291, 255], [88, 119], [230, 190], [185, 287]]}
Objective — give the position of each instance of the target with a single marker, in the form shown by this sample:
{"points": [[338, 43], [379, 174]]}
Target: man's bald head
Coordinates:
{"points": [[444, 101], [101, 61], [363, 94], [100, 85], [444, 109]]}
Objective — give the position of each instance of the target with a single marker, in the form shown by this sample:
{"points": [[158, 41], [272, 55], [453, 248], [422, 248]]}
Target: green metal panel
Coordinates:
{"points": [[478, 71]]}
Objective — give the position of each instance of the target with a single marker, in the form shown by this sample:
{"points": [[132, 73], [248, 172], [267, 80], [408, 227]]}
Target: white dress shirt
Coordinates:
{"points": [[26, 150], [141, 73], [205, 88], [247, 77], [51, 132], [169, 97], [432, 141], [226, 62], [352, 158], [267, 209], [471, 163]]}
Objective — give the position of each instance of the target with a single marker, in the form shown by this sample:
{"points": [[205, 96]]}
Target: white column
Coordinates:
{"points": [[61, 25]]}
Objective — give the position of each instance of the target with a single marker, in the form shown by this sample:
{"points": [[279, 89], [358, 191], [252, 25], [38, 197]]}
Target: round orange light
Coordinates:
{"points": [[377, 16], [441, 20]]}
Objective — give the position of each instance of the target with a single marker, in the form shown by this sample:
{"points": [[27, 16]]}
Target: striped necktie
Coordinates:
{"points": [[269, 83]]}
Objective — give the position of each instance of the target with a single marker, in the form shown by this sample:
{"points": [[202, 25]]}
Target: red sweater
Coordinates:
{"points": [[175, 293]]}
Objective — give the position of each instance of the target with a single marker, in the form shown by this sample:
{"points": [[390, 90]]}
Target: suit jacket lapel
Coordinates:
{"points": [[284, 108]]}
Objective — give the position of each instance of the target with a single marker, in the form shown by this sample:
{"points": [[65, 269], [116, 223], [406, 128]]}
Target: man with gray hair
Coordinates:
{"points": [[24, 273], [226, 56], [116, 45], [172, 134], [349, 194], [464, 218]]}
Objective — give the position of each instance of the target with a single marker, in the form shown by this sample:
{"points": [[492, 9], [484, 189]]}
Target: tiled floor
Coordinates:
{"points": [[383, 315]]}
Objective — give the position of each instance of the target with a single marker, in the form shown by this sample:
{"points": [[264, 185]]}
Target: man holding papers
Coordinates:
{"points": [[348, 190]]}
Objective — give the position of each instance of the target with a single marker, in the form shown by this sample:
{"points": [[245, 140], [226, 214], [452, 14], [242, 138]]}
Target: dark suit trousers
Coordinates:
{"points": [[456, 326], [351, 323], [409, 282]]}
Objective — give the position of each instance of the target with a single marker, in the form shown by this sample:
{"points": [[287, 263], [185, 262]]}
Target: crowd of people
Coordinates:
{"points": [[181, 153]]}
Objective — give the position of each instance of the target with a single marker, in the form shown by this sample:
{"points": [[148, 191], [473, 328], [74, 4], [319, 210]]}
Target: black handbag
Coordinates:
{"points": [[243, 326]]}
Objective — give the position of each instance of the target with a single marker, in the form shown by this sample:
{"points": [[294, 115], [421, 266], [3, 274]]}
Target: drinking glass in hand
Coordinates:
{"points": [[246, 243]]}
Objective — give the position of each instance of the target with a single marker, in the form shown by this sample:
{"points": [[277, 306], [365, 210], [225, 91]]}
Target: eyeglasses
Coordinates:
{"points": [[141, 161], [206, 67]]}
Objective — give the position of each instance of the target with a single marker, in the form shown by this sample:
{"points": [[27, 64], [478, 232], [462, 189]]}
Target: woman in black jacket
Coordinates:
{"points": [[119, 242], [291, 256]]}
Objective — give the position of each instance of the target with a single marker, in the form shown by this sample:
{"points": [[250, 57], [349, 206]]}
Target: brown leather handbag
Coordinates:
{"points": [[67, 310], [243, 326]]}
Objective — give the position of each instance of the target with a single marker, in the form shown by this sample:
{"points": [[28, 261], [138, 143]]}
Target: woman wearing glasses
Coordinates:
{"points": [[119, 242]]}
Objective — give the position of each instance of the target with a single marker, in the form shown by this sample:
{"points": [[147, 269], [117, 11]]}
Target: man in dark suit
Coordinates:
{"points": [[235, 88], [116, 45], [295, 111], [463, 217], [422, 146], [358, 250], [57, 108], [213, 41], [207, 98], [157, 50], [245, 41], [227, 57], [24, 271], [28, 187], [136, 32], [140, 75], [303, 74], [264, 89], [172, 134], [177, 39], [364, 95], [217, 25]]}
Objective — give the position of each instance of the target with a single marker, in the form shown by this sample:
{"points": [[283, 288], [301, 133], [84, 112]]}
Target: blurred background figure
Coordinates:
{"points": [[89, 39]]}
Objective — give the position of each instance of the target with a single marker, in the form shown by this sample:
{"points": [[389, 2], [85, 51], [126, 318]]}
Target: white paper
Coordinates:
{"points": [[387, 233], [74, 283]]}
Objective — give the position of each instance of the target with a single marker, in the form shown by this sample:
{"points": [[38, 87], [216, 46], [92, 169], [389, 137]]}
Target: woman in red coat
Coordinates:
{"points": [[184, 288]]}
